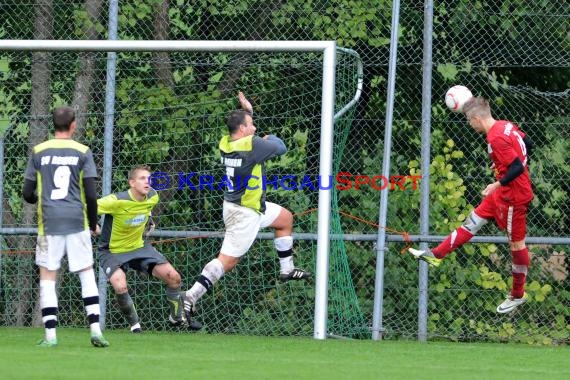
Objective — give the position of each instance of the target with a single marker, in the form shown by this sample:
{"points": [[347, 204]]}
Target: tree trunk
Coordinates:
{"points": [[161, 61], [87, 60], [163, 72], [39, 127]]}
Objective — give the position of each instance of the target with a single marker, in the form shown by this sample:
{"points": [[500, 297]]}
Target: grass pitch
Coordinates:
{"points": [[200, 356]]}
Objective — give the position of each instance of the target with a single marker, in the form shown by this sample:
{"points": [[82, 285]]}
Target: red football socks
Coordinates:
{"points": [[521, 262], [455, 240]]}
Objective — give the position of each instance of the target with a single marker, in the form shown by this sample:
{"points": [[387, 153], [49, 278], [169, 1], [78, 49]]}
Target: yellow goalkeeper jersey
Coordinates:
{"points": [[125, 220]]}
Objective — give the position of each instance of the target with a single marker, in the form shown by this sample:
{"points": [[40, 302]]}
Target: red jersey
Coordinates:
{"points": [[505, 144]]}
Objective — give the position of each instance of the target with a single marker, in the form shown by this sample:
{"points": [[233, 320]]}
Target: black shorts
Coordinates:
{"points": [[142, 260]]}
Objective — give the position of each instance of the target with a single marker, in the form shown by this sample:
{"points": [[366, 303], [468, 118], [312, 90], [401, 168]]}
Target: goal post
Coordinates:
{"points": [[328, 50]]}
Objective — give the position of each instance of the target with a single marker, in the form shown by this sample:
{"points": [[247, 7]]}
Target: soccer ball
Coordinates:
{"points": [[456, 97]]}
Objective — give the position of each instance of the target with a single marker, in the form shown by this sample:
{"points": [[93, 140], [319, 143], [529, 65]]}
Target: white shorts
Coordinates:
{"points": [[242, 225], [50, 249]]}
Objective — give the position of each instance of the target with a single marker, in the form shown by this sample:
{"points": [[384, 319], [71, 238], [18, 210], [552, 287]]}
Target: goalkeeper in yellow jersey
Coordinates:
{"points": [[122, 247]]}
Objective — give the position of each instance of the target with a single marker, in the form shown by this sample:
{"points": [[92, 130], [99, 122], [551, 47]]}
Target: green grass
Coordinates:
{"points": [[200, 356]]}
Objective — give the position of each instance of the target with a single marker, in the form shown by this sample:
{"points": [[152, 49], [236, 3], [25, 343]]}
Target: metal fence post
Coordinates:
{"points": [[425, 164], [108, 143]]}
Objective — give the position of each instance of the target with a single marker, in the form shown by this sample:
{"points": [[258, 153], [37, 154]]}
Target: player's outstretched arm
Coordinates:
{"points": [[245, 104], [267, 147]]}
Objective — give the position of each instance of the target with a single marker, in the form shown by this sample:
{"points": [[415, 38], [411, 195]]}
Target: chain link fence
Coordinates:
{"points": [[514, 53]]}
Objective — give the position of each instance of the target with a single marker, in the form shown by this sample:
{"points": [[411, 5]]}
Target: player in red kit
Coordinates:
{"points": [[506, 200]]}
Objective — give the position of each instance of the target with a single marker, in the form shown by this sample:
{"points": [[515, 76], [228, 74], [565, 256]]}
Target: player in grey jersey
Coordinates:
{"points": [[245, 210], [63, 173]]}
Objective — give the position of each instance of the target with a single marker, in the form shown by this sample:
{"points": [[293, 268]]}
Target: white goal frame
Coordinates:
{"points": [[328, 48]]}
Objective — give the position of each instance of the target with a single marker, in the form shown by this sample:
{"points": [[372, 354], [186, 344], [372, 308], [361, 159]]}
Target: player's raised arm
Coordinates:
{"points": [[245, 104]]}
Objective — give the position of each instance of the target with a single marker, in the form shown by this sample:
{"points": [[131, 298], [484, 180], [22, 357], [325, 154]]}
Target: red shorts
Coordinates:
{"points": [[509, 218]]}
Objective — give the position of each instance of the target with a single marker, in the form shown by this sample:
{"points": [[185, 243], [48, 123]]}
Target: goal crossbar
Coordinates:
{"points": [[165, 45]]}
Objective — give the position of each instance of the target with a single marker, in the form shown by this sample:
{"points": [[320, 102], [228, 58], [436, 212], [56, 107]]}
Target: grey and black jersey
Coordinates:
{"points": [[59, 166], [244, 160]]}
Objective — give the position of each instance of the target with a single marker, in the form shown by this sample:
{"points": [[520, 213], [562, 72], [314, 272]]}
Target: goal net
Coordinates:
{"points": [[168, 110]]}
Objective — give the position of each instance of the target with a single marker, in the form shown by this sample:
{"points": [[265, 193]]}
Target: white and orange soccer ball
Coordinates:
{"points": [[456, 97]]}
